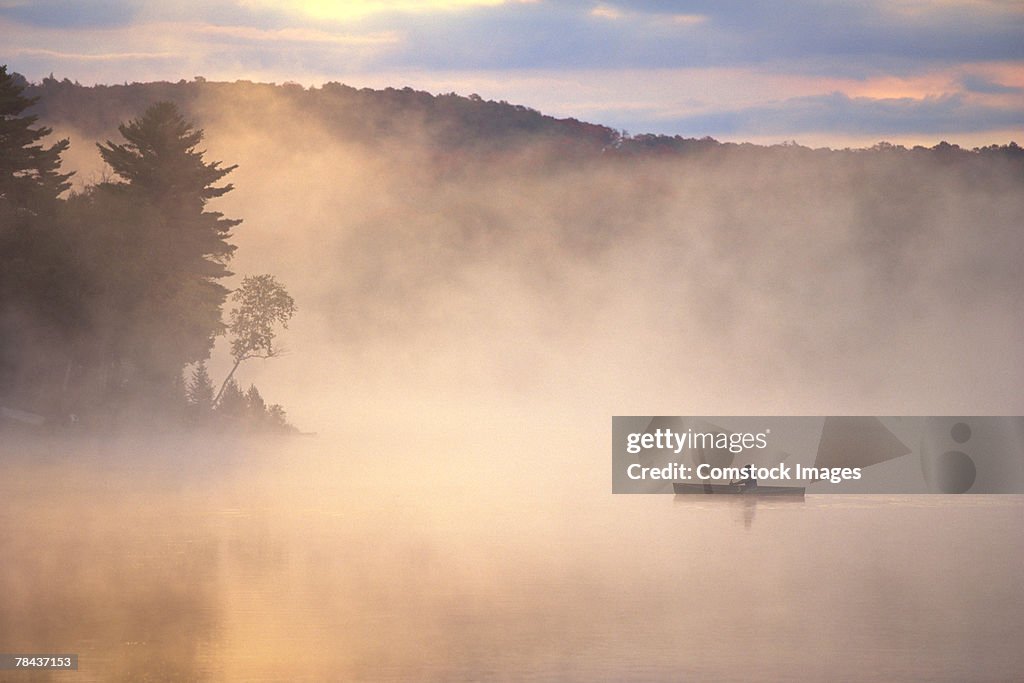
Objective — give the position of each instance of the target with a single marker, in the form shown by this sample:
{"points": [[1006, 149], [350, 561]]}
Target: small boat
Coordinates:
{"points": [[737, 489]]}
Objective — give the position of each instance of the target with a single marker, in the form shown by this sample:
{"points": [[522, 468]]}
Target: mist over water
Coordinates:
{"points": [[660, 284], [439, 556], [467, 325], [434, 270]]}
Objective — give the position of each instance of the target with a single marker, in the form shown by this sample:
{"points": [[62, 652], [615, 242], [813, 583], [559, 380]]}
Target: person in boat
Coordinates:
{"points": [[749, 482]]}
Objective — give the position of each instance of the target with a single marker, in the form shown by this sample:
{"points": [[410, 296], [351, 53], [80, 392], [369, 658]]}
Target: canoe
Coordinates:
{"points": [[737, 489]]}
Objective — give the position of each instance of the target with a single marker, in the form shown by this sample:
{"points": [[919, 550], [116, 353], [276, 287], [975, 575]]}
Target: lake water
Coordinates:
{"points": [[399, 555]]}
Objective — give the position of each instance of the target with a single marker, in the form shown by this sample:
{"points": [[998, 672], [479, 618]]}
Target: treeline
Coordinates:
{"points": [[109, 294], [455, 127], [448, 122]]}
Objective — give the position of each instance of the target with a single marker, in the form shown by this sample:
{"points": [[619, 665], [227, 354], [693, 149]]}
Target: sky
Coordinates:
{"points": [[818, 72]]}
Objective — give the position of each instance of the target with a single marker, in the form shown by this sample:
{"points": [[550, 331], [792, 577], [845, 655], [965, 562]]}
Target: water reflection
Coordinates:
{"points": [[743, 507], [299, 560], [130, 586]]}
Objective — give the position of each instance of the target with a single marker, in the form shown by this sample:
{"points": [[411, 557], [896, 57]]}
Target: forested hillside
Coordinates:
{"points": [[449, 122]]}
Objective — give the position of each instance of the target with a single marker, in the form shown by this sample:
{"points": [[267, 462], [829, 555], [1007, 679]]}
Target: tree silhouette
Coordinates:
{"points": [[200, 389], [262, 303], [231, 402], [180, 248], [277, 417], [257, 406], [38, 279], [30, 177]]}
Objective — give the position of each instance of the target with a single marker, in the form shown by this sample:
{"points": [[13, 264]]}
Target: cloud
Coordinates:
{"points": [[546, 36], [71, 13], [980, 84], [606, 12], [855, 39], [849, 37], [358, 9], [94, 56], [308, 36], [839, 113]]}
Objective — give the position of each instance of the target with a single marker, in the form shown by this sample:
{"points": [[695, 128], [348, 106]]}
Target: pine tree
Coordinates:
{"points": [[160, 164], [39, 292], [200, 389], [256, 405], [232, 401], [181, 248], [30, 177], [277, 418]]}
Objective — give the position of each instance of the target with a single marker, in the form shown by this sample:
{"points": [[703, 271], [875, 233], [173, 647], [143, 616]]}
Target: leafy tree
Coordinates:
{"points": [[262, 304]]}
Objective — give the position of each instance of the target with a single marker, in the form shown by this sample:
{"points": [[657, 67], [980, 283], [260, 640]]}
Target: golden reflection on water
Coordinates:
{"points": [[400, 556]]}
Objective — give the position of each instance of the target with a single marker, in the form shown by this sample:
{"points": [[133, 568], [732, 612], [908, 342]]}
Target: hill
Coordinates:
{"points": [[447, 121]]}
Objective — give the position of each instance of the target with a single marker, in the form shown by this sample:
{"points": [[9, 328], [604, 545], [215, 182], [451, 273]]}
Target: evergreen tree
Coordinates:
{"points": [[256, 405], [277, 419], [232, 401], [160, 164], [39, 307], [30, 177], [182, 248], [200, 389]]}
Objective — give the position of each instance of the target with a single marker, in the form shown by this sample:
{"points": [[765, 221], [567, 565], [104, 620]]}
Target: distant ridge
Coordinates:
{"points": [[447, 121]]}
